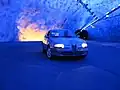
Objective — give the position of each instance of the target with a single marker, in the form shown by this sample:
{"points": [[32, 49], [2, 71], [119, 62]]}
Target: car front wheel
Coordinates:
{"points": [[49, 53]]}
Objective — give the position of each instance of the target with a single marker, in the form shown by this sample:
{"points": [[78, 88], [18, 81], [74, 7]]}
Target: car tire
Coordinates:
{"points": [[49, 53]]}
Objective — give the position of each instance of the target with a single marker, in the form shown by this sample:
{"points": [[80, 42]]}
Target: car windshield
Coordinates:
{"points": [[62, 33]]}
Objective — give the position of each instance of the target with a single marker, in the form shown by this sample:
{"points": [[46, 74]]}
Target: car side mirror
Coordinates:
{"points": [[46, 36]]}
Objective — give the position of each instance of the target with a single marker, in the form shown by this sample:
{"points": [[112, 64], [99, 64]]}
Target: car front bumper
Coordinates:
{"points": [[62, 52]]}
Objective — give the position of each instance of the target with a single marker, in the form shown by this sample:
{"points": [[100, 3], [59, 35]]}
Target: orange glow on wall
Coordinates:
{"points": [[30, 30], [31, 33]]}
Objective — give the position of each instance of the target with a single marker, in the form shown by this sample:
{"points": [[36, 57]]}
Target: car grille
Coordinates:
{"points": [[74, 48]]}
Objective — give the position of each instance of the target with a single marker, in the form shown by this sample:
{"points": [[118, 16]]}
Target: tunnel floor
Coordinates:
{"points": [[24, 67]]}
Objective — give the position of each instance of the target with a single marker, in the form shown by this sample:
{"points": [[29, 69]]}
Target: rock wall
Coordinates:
{"points": [[20, 16], [106, 29]]}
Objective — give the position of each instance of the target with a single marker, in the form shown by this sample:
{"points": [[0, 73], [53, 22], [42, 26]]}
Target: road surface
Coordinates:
{"points": [[24, 67]]}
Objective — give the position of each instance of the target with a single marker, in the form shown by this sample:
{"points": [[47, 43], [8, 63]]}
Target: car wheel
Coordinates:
{"points": [[49, 53]]}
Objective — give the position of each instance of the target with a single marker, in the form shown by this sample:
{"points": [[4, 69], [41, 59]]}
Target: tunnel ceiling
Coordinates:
{"points": [[27, 20]]}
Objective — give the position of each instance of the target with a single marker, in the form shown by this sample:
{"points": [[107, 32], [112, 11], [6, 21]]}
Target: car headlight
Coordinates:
{"points": [[84, 45], [59, 45]]}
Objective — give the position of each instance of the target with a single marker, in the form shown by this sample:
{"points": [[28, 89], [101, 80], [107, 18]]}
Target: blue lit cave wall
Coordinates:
{"points": [[61, 14], [9, 10], [107, 29]]}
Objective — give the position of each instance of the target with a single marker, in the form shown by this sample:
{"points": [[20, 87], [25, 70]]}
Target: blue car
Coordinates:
{"points": [[62, 42]]}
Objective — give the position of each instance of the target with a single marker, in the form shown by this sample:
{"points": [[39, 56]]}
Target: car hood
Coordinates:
{"points": [[67, 41]]}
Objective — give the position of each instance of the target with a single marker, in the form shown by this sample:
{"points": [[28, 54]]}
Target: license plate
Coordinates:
{"points": [[83, 49]]}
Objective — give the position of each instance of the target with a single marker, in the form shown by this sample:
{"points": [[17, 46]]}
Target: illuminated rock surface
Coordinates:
{"points": [[48, 14]]}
